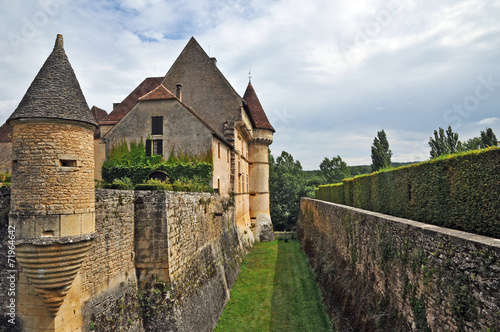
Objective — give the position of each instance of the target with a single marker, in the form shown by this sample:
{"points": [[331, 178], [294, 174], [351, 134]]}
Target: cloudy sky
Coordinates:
{"points": [[329, 73]]}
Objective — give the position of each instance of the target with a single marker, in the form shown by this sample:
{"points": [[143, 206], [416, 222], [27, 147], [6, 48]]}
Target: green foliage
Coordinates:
{"points": [[121, 184], [153, 184], [488, 138], [186, 157], [459, 191], [334, 170], [5, 177], [443, 144], [286, 185], [381, 154], [190, 172]]}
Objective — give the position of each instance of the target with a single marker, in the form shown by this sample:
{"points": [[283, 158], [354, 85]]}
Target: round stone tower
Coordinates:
{"points": [[258, 153], [52, 195]]}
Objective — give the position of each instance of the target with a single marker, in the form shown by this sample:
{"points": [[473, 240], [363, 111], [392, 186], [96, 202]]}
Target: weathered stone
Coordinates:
{"points": [[430, 276]]}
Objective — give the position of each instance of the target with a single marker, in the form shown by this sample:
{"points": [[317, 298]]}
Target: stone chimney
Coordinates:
{"points": [[178, 91]]}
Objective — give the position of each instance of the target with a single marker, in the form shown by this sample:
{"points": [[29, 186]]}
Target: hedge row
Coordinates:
{"points": [[459, 191], [201, 172]]}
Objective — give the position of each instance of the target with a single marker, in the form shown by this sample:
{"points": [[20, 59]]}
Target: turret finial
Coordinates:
{"points": [[59, 41]]}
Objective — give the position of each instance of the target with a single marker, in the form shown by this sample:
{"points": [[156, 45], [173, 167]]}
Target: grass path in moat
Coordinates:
{"points": [[275, 291]]}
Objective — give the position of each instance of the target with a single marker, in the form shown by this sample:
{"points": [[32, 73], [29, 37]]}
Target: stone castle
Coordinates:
{"points": [[85, 255]]}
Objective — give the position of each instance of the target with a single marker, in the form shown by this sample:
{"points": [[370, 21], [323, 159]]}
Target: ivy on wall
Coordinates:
{"points": [[130, 167]]}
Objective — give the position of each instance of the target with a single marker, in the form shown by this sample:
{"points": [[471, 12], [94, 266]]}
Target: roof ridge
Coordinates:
{"points": [[158, 93]]}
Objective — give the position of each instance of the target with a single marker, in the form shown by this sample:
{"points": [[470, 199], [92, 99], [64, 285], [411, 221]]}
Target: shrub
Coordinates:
{"points": [[120, 184], [457, 191], [153, 184]]}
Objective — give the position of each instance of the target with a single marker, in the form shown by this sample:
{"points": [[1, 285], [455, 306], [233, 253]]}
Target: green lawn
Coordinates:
{"points": [[275, 291]]}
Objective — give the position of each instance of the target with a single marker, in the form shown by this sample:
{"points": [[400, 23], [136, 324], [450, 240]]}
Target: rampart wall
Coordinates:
{"points": [[393, 274], [160, 261]]}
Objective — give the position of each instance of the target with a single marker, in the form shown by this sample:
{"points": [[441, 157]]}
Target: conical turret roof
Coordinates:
{"points": [[255, 109], [55, 92]]}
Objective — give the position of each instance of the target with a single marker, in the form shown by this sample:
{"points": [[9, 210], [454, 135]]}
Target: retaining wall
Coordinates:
{"points": [[160, 261], [381, 272]]}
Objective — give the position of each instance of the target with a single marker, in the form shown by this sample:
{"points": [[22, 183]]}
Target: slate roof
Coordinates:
{"points": [[146, 86], [6, 133], [98, 114], [159, 93], [55, 92], [255, 110]]}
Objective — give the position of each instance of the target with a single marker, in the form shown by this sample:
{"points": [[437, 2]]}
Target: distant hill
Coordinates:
{"points": [[359, 169]]}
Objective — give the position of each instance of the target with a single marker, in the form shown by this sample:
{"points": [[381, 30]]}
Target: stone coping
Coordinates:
{"points": [[490, 241], [45, 241]]}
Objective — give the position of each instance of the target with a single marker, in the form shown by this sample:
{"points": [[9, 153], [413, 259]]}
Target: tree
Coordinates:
{"points": [[286, 186], [334, 170], [488, 138], [444, 143], [473, 143], [381, 155]]}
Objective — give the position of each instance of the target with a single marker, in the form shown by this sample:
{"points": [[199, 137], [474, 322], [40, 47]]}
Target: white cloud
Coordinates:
{"points": [[330, 74], [488, 121]]}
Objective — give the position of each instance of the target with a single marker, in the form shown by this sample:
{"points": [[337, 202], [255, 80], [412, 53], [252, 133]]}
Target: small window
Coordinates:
{"points": [[228, 156], [157, 125], [67, 163], [154, 147], [218, 149]]}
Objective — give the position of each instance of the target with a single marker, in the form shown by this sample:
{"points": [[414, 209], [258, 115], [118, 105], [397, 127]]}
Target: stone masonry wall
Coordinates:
{"points": [[160, 261], [394, 274], [108, 274], [40, 184], [194, 235]]}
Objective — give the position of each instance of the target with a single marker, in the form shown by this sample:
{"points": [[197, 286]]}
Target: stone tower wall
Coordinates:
{"points": [[52, 180], [259, 185]]}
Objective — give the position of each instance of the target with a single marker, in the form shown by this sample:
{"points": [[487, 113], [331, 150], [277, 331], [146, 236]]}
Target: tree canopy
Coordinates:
{"points": [[334, 170], [381, 154]]}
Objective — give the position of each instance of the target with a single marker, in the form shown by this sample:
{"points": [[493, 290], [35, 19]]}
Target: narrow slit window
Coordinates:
{"points": [[67, 163]]}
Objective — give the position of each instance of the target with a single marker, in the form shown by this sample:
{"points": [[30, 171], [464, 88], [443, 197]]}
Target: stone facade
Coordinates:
{"points": [[187, 247], [199, 112], [127, 261], [396, 274], [53, 179], [160, 261]]}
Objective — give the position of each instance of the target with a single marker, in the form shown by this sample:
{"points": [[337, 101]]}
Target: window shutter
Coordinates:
{"points": [[148, 147], [160, 147], [157, 125]]}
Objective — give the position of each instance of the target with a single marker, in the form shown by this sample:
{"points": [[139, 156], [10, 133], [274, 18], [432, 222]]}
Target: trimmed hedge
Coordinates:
{"points": [[459, 191], [202, 172]]}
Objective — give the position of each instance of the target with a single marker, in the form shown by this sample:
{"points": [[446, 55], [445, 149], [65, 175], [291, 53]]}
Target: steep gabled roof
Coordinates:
{"points": [[204, 87], [146, 86], [98, 114], [6, 133], [255, 110], [55, 92], [159, 93]]}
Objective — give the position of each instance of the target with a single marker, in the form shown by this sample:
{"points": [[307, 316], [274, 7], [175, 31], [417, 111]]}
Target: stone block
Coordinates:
{"points": [[47, 226], [71, 224], [88, 223]]}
